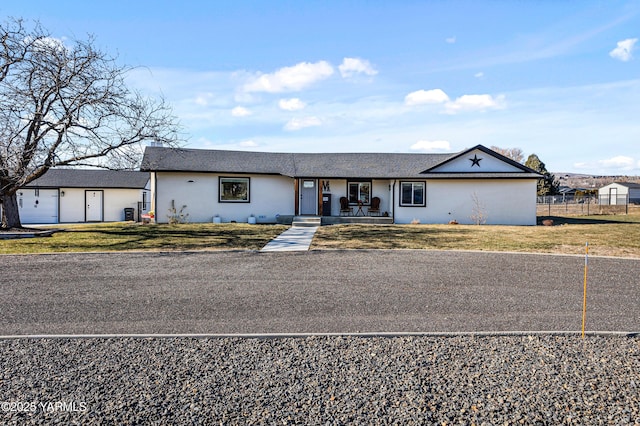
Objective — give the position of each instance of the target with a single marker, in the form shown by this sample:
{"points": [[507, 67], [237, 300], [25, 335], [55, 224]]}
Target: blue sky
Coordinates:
{"points": [[560, 79]]}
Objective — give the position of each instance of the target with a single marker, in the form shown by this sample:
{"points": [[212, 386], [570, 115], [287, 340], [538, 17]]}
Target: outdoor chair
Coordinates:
{"points": [[375, 207], [345, 208]]}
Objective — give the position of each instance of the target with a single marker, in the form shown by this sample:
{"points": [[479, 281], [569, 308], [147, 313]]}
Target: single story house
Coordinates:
{"points": [[424, 188], [619, 193], [80, 195]]}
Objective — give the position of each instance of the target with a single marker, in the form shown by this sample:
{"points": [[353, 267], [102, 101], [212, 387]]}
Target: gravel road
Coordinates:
{"points": [[317, 291], [322, 380], [470, 379]]}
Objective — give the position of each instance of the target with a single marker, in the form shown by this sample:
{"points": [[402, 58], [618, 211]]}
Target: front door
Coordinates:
{"points": [[308, 197], [93, 209], [613, 196]]}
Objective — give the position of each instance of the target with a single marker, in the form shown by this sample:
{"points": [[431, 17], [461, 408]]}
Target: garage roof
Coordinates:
{"points": [[83, 178]]}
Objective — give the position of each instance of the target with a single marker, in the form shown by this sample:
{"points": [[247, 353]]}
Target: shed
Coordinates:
{"points": [[619, 193]]}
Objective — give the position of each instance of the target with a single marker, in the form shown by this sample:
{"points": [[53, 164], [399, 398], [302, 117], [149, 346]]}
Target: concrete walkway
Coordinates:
{"points": [[296, 238]]}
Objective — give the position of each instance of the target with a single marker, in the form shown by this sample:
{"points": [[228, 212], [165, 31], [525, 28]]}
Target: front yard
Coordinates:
{"points": [[607, 236], [132, 236]]}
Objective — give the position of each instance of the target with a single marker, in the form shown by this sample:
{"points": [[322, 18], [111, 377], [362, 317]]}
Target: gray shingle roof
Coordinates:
{"points": [[322, 165], [82, 178], [204, 160], [631, 185], [347, 165]]}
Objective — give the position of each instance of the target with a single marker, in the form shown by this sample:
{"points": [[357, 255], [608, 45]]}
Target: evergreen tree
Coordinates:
{"points": [[548, 184]]}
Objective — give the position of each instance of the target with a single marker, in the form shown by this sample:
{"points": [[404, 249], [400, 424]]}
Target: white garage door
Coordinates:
{"points": [[38, 205]]}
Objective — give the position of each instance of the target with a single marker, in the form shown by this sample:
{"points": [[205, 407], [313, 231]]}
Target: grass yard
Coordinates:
{"points": [[130, 236], [607, 236], [617, 235]]}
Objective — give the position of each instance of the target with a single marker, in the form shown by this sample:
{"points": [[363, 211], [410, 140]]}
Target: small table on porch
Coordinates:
{"points": [[359, 212]]}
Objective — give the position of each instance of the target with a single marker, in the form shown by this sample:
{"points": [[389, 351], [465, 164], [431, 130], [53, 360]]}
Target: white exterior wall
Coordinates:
{"points": [[269, 196], [623, 193], [338, 189], [73, 203], [504, 202]]}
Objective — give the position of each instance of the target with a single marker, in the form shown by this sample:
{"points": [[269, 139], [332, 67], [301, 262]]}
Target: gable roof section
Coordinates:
{"points": [[83, 178], [630, 185], [487, 151], [324, 165]]}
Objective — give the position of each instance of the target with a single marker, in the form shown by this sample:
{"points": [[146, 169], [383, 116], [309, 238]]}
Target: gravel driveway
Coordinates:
{"points": [[317, 291], [518, 379]]}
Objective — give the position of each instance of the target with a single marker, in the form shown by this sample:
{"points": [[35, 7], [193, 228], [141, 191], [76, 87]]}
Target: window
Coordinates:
{"points": [[234, 190], [412, 194], [359, 191]]}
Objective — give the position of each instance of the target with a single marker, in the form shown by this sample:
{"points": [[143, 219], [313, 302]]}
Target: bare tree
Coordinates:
{"points": [[67, 104], [479, 211], [513, 153]]}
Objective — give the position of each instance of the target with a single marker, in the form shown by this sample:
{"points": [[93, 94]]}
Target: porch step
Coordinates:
{"points": [[306, 221]]}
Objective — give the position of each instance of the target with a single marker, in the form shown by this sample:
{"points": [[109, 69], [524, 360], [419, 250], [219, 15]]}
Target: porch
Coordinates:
{"points": [[335, 220], [345, 200]]}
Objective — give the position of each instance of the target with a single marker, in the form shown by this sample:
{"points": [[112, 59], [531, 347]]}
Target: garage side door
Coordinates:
{"points": [[38, 205]]}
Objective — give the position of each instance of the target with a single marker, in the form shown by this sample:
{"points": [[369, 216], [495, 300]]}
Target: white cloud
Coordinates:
{"points": [[419, 97], [47, 43], [247, 144], [203, 99], [301, 123], [614, 165], [479, 74], [293, 104], [474, 103], [240, 112], [624, 50], [431, 146], [352, 66], [619, 162], [290, 79], [450, 40]]}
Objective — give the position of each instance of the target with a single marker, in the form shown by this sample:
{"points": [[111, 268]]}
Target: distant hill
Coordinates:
{"points": [[578, 180]]}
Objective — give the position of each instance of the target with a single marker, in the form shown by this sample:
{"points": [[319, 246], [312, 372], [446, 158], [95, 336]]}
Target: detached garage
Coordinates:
{"points": [[71, 195], [38, 205]]}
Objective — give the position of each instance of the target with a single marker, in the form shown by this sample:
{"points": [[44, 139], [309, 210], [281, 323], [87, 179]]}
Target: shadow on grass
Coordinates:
{"points": [[590, 220], [174, 237]]}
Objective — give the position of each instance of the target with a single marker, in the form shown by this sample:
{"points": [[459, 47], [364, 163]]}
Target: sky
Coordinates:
{"points": [[559, 79]]}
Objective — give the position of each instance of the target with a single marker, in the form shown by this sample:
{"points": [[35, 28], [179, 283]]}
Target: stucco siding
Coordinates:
{"points": [[338, 189], [501, 202], [116, 200], [269, 196], [73, 203], [72, 207]]}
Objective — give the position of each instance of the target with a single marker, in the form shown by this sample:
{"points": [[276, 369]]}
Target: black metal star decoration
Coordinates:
{"points": [[475, 161]]}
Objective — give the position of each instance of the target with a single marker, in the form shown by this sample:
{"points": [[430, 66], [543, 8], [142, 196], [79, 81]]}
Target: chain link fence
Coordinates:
{"points": [[566, 205]]}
